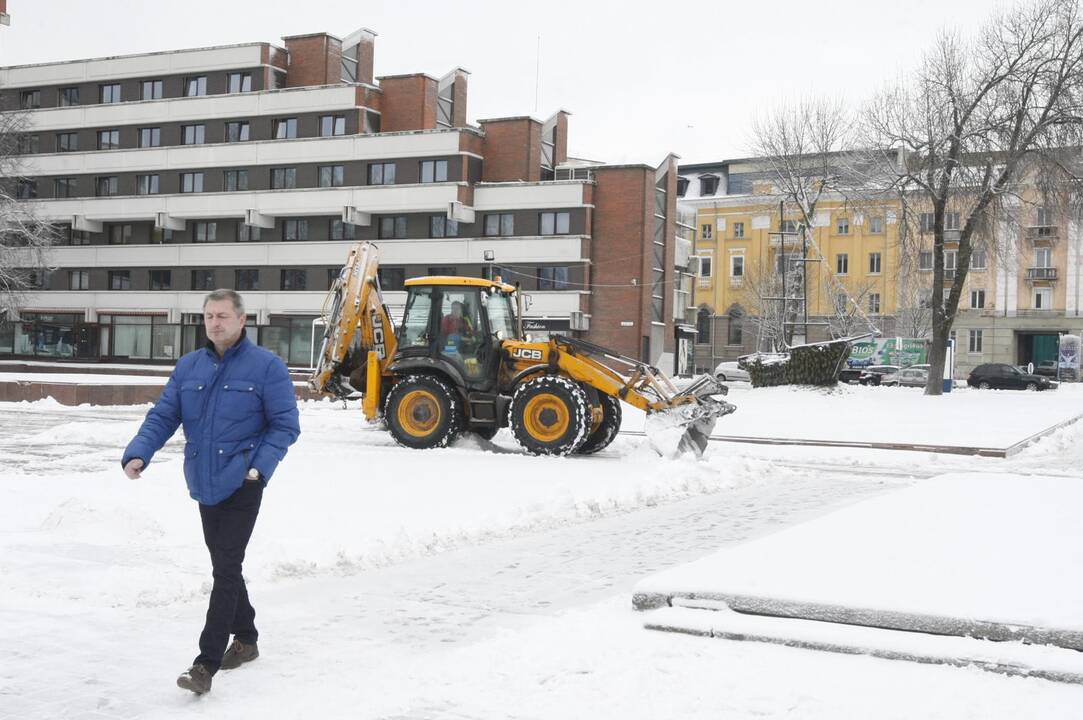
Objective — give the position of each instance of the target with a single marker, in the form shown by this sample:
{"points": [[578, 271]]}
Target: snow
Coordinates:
{"points": [[471, 582]]}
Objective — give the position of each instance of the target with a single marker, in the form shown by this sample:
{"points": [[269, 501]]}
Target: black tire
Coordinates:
{"points": [[607, 430], [983, 385], [1032, 386], [720, 377], [550, 415], [422, 412]]}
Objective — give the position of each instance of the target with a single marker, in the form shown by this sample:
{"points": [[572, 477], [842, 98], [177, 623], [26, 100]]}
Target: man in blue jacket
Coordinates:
{"points": [[239, 412]]}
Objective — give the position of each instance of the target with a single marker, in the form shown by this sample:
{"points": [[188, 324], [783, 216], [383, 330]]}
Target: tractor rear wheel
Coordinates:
{"points": [[550, 415], [607, 430], [422, 412]]}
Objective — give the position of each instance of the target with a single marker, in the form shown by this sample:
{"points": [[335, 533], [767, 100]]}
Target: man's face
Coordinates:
{"points": [[222, 322]]}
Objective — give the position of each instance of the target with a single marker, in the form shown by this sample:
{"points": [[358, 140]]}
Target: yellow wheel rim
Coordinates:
{"points": [[546, 418], [419, 413]]}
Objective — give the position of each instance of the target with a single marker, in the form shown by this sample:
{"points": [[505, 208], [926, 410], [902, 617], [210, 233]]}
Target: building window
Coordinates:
{"points": [[926, 222], [500, 224], [150, 137], [159, 236], [146, 184], [442, 226], [285, 129], [151, 90], [68, 97], [974, 344], [78, 280], [120, 279], [1043, 299], [737, 266], [233, 180], [108, 139], [682, 186], [705, 266], [555, 223], [246, 279], [248, 233], [64, 187], [842, 226], [161, 279], [433, 171], [30, 99], [393, 226], [295, 229], [193, 134], [203, 280], [977, 299], [283, 178], [26, 190], [706, 231], [294, 279], [237, 131], [79, 237], [978, 260], [874, 303], [195, 86], [876, 225], [842, 264], [735, 334], [67, 142], [738, 230], [925, 260], [703, 326], [331, 175], [874, 263], [552, 278], [372, 122], [191, 182], [443, 270], [109, 93], [29, 144], [951, 221], [382, 174], [391, 278], [106, 186], [708, 185], [341, 230], [789, 226], [239, 82], [331, 125], [204, 232]]}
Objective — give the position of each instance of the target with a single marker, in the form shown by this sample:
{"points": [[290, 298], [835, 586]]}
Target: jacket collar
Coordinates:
{"points": [[233, 349]]}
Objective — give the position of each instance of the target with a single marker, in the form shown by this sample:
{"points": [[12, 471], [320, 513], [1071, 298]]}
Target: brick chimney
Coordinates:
{"points": [[315, 59], [360, 46]]}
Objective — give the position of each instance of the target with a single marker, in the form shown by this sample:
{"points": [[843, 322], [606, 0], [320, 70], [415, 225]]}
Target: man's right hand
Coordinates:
{"points": [[133, 468]]}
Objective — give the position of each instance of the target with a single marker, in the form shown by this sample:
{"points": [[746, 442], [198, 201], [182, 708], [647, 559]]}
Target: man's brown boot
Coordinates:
{"points": [[238, 654], [196, 678]]}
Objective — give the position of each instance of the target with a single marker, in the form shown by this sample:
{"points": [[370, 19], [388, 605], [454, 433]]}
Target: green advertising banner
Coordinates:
{"points": [[902, 352]]}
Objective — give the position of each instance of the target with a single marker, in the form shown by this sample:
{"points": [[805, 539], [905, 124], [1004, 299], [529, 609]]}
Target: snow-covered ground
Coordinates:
{"points": [[469, 582]]}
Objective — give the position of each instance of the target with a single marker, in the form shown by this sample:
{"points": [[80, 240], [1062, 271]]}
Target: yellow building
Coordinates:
{"points": [[1016, 300]]}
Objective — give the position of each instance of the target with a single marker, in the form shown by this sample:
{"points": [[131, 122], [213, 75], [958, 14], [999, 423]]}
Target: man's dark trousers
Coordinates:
{"points": [[227, 527]]}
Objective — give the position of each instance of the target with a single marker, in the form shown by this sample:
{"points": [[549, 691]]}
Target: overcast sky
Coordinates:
{"points": [[641, 79]]}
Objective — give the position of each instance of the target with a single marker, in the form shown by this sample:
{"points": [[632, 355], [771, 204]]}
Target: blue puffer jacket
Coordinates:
{"points": [[238, 411]]}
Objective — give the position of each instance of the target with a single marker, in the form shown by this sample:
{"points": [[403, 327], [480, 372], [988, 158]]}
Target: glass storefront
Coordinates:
{"points": [[289, 337]]}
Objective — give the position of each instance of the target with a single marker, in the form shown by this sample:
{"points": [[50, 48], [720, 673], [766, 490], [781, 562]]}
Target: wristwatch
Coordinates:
{"points": [[253, 475]]}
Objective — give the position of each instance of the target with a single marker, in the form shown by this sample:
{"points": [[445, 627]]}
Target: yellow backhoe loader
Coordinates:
{"points": [[459, 362]]}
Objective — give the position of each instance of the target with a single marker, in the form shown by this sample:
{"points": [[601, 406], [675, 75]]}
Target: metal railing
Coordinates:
{"points": [[1042, 273]]}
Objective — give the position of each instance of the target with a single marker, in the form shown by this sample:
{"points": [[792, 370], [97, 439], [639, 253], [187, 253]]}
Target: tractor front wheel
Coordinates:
{"points": [[422, 412], [607, 429], [550, 415]]}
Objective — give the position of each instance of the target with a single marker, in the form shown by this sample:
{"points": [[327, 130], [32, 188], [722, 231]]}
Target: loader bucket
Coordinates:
{"points": [[687, 425]]}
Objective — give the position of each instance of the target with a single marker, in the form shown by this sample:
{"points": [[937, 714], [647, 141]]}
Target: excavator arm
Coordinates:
{"points": [[359, 334]]}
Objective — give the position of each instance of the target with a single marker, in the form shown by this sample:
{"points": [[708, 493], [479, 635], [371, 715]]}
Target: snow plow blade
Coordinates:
{"points": [[687, 426]]}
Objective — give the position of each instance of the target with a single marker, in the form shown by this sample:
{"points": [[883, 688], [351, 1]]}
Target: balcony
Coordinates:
{"points": [[951, 237], [1041, 274], [1043, 235]]}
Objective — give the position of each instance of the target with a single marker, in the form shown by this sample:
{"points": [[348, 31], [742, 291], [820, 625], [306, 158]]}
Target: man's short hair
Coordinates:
{"points": [[224, 294]]}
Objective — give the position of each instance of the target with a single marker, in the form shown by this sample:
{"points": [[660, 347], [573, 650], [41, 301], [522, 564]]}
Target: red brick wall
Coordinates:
{"points": [[366, 52], [512, 150], [409, 103], [469, 142], [458, 98], [370, 98], [314, 60], [671, 252], [560, 152], [620, 235]]}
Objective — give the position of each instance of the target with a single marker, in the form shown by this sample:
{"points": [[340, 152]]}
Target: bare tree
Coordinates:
{"points": [[982, 120], [807, 148], [24, 238]]}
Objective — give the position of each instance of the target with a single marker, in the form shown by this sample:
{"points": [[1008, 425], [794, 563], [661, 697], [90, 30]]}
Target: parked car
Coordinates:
{"points": [[729, 371], [875, 374], [914, 376], [851, 375], [1002, 376], [1047, 368]]}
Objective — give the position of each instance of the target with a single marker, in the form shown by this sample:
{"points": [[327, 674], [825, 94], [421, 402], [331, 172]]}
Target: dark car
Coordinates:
{"points": [[877, 374], [851, 375], [1002, 376]]}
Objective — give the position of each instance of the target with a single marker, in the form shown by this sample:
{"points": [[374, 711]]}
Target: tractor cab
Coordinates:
{"points": [[457, 323]]}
